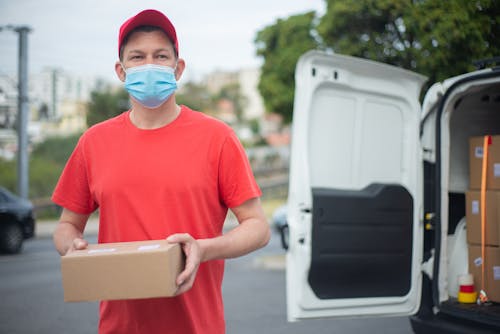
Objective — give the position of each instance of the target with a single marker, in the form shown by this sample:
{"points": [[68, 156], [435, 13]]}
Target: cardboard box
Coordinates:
{"points": [[491, 262], [473, 217], [476, 163], [143, 269]]}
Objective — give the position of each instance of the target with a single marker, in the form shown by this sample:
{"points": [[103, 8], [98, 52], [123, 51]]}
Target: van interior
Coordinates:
{"points": [[474, 111]]}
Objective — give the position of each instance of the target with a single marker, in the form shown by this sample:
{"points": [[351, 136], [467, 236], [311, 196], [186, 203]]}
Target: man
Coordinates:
{"points": [[161, 170]]}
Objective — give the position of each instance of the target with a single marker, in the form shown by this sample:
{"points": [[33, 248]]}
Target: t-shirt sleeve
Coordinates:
{"points": [[236, 180], [73, 189]]}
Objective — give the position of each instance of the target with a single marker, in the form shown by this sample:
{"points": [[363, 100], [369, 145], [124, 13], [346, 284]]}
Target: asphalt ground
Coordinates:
{"points": [[253, 290]]}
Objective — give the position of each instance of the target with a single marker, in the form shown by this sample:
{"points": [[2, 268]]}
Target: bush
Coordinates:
{"points": [[8, 174], [47, 161]]}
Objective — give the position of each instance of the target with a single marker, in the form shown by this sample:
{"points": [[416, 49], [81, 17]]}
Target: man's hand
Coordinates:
{"points": [[252, 233], [68, 235], [77, 244], [192, 250]]}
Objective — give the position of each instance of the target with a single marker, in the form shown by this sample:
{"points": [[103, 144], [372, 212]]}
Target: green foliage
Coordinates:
{"points": [[47, 161], [195, 96], [232, 92], [281, 45], [56, 149], [255, 126], [106, 104], [437, 38], [44, 174], [8, 175]]}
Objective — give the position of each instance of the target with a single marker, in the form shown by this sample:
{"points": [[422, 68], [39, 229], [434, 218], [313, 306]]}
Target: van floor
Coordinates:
{"points": [[486, 313]]}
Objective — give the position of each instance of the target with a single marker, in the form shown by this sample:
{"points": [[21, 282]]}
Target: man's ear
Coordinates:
{"points": [[179, 69], [120, 72]]}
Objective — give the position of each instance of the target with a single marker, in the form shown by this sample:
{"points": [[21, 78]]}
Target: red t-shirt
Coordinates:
{"points": [[149, 184]]}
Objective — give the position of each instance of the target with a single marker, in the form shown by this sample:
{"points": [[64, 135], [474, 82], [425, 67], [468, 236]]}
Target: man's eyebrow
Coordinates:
{"points": [[155, 51], [163, 49]]}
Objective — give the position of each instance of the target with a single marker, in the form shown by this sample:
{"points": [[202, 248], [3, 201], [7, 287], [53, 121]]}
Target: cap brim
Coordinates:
{"points": [[149, 17]]}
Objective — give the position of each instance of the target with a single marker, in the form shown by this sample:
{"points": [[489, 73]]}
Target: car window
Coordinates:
{"points": [[5, 196]]}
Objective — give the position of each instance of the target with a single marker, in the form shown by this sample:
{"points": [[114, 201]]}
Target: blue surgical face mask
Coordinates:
{"points": [[150, 85]]}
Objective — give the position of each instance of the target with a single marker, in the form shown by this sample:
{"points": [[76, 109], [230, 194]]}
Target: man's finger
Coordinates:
{"points": [[179, 238], [79, 243]]}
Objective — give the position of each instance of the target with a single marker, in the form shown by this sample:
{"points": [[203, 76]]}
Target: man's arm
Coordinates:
{"points": [[68, 235], [252, 233]]}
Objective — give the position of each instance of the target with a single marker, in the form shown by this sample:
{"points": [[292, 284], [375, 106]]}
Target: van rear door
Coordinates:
{"points": [[355, 195]]}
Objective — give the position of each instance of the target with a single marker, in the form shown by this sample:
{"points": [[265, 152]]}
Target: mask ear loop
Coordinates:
{"points": [[175, 69], [124, 70]]}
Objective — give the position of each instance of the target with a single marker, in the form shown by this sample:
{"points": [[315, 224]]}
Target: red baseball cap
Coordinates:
{"points": [[148, 17]]}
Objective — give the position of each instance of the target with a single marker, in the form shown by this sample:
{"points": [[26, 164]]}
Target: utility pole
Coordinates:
{"points": [[53, 114], [23, 113], [22, 110]]}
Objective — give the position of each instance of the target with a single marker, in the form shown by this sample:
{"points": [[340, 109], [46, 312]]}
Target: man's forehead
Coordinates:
{"points": [[137, 35], [143, 50], [141, 39]]}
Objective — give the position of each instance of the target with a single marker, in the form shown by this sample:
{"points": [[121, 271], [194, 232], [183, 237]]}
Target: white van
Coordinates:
{"points": [[376, 206]]}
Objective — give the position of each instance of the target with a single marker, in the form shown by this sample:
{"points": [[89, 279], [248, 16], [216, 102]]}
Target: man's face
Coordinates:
{"points": [[148, 48]]}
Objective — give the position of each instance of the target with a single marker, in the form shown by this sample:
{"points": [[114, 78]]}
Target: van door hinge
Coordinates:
{"points": [[429, 222]]}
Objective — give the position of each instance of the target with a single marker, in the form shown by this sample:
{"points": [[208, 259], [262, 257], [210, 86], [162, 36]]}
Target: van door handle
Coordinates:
{"points": [[284, 234]]}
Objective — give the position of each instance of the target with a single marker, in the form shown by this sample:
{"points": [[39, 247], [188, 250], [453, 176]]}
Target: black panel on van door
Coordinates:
{"points": [[361, 242]]}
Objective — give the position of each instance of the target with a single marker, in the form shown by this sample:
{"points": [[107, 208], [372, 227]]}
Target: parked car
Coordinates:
{"points": [[17, 221], [377, 195]]}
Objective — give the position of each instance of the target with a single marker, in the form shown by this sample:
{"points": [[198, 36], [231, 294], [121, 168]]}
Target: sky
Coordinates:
{"points": [[80, 37]]}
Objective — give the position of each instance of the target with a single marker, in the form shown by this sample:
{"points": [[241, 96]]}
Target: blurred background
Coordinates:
{"points": [[57, 79], [240, 57]]}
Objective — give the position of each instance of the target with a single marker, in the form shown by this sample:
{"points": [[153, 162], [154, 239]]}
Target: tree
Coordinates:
{"points": [[105, 104], [198, 97], [47, 161], [281, 45], [8, 174], [437, 38], [194, 95], [232, 92]]}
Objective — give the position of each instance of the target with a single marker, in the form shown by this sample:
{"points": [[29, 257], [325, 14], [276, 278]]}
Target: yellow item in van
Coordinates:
{"points": [[467, 297]]}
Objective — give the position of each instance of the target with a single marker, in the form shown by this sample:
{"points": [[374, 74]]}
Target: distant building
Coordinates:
{"points": [[215, 81], [8, 102], [270, 124], [57, 106], [52, 87], [247, 80]]}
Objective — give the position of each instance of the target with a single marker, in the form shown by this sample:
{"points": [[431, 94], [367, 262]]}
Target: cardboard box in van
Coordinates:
{"points": [[476, 163], [473, 217], [491, 262], [128, 270]]}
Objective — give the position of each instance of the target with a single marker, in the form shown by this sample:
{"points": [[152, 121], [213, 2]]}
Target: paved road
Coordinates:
{"points": [[253, 290]]}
